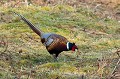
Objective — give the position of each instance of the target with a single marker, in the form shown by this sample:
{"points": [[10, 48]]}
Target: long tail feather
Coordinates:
{"points": [[36, 30]]}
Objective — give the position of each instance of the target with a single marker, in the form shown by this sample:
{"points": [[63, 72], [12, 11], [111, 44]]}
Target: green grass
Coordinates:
{"points": [[35, 62]]}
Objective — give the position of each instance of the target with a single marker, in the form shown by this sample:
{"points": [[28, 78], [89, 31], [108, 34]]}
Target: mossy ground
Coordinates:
{"points": [[25, 57]]}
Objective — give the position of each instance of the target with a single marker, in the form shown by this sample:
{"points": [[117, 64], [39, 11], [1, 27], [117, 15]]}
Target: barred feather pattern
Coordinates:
{"points": [[32, 26]]}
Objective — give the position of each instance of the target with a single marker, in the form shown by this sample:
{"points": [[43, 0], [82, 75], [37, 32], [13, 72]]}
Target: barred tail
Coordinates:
{"points": [[36, 30]]}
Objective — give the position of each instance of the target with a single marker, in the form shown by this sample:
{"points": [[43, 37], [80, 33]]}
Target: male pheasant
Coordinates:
{"points": [[54, 43]]}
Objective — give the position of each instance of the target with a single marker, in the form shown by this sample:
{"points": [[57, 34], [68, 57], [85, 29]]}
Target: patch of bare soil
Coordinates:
{"points": [[103, 8]]}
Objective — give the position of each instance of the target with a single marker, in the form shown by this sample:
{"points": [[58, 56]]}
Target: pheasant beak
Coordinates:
{"points": [[76, 50]]}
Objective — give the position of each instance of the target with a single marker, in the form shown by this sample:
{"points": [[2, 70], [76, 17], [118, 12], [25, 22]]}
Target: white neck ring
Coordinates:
{"points": [[68, 45]]}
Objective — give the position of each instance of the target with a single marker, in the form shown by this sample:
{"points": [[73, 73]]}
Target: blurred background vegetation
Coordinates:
{"points": [[94, 25]]}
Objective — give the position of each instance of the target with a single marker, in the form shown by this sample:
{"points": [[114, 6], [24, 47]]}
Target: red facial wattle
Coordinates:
{"points": [[74, 47]]}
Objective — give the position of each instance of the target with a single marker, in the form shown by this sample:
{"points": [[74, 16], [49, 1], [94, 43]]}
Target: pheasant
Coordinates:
{"points": [[54, 43]]}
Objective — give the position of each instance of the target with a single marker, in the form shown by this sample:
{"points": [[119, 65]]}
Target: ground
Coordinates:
{"points": [[23, 56]]}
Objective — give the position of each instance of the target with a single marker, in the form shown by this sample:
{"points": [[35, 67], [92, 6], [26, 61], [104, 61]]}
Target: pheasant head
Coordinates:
{"points": [[71, 46]]}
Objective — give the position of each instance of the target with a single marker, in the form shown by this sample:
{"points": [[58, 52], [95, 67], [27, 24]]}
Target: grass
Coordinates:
{"points": [[27, 58]]}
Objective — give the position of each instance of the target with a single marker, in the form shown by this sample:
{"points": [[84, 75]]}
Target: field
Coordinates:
{"points": [[22, 55]]}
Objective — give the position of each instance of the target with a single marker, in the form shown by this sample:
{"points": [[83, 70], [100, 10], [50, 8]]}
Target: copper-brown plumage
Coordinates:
{"points": [[59, 41]]}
